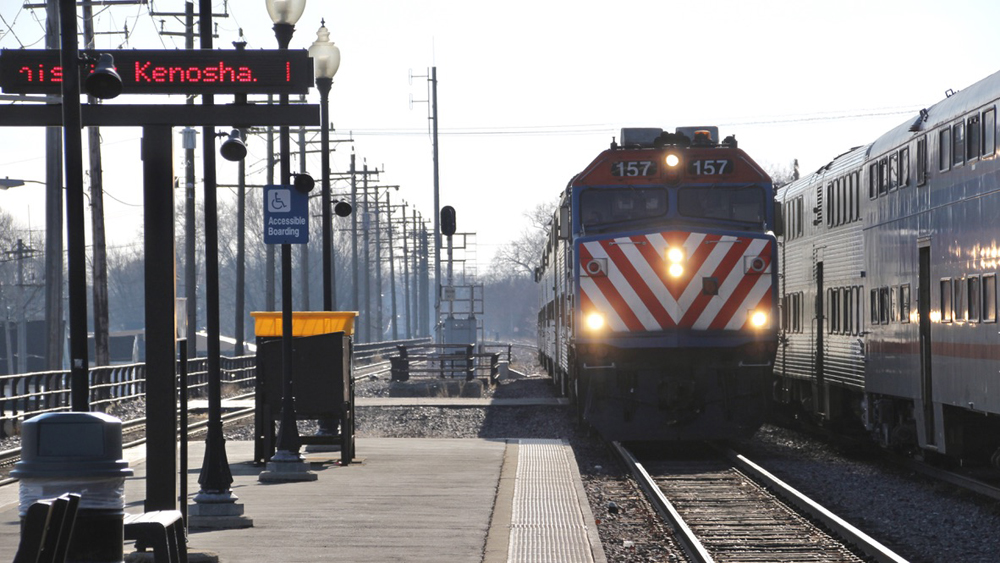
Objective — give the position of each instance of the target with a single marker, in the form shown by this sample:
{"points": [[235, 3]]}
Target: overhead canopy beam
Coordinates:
{"points": [[139, 115]]}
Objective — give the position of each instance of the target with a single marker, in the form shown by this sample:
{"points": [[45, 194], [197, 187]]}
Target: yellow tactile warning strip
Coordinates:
{"points": [[548, 521]]}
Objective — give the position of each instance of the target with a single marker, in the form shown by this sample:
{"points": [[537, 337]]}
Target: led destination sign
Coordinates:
{"points": [[39, 71]]}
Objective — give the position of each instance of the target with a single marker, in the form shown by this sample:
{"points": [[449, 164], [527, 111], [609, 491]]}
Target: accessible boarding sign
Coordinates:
{"points": [[286, 215]]}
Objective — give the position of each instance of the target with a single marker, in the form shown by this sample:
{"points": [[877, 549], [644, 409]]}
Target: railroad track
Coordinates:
{"points": [[136, 430], [722, 506], [133, 431]]}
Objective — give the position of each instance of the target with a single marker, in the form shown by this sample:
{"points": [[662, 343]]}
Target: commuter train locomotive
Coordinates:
{"points": [[659, 288], [889, 284]]}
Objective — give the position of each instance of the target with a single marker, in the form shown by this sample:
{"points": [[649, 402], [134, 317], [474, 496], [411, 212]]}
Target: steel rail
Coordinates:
{"points": [[862, 541], [690, 543]]}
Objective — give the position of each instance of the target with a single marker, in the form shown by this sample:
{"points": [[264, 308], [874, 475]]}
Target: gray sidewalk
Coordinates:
{"points": [[406, 500]]}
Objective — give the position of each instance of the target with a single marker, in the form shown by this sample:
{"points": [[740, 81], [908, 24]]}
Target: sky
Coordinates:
{"points": [[530, 92]]}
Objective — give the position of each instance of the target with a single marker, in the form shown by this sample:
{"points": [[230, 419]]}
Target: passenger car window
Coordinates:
{"points": [[944, 149]]}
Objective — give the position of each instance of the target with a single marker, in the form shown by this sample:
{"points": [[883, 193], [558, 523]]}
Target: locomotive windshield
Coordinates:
{"points": [[603, 206], [729, 203]]}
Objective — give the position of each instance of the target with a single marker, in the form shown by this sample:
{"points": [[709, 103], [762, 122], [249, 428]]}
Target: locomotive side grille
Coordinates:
{"points": [[637, 294]]}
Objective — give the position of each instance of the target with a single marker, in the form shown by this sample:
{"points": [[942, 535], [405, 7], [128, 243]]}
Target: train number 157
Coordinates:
{"points": [[710, 167], [634, 168]]}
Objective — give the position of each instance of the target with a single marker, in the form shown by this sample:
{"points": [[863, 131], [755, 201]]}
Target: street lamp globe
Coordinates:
{"points": [[285, 11], [325, 55]]}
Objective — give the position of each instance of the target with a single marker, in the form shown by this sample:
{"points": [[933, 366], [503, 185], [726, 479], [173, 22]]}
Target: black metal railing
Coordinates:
{"points": [[445, 361], [25, 395]]}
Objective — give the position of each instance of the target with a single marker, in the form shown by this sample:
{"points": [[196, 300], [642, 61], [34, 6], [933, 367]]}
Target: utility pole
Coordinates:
{"points": [[354, 239], [54, 329], [102, 340], [379, 327], [406, 279], [425, 281], [437, 209], [415, 269], [20, 252], [190, 251], [366, 314], [392, 271], [363, 322], [241, 242], [189, 144]]}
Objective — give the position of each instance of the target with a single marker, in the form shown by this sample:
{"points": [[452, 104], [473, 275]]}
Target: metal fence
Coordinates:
{"points": [[23, 396]]}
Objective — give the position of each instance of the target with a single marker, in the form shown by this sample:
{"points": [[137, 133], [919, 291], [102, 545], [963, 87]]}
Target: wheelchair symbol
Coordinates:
{"points": [[279, 201]]}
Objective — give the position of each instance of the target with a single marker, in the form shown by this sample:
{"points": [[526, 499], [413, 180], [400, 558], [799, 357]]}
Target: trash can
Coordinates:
{"points": [[78, 452]]}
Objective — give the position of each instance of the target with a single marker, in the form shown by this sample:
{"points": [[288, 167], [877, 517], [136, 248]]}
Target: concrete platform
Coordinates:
{"points": [[407, 500]]}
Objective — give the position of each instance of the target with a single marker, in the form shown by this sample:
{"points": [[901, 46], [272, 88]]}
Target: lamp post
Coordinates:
{"points": [[12, 183], [286, 464], [326, 61], [215, 504]]}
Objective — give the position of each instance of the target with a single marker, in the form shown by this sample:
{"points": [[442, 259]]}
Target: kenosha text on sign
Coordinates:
{"points": [[168, 72]]}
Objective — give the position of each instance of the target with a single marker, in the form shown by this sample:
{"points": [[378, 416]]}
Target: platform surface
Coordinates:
{"points": [[441, 500]]}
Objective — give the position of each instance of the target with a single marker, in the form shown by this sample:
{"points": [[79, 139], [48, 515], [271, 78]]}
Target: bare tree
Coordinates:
{"points": [[782, 175], [126, 289], [510, 283], [520, 257]]}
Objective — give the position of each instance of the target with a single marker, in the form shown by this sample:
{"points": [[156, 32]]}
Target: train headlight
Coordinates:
{"points": [[673, 160], [758, 319], [594, 321], [675, 255]]}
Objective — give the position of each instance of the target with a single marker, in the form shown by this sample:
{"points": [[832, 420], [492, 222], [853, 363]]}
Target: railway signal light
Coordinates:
{"points": [[447, 220]]}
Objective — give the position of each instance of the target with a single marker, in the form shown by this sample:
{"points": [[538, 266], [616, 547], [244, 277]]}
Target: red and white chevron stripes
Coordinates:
{"points": [[630, 286]]}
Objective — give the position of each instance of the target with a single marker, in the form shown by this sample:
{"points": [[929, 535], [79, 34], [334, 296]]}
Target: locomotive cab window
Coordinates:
{"points": [[732, 203], [601, 206]]}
